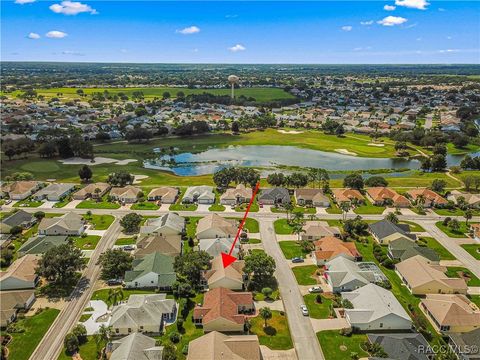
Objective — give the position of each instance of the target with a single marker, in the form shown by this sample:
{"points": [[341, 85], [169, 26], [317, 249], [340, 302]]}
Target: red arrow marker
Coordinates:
{"points": [[228, 259]]}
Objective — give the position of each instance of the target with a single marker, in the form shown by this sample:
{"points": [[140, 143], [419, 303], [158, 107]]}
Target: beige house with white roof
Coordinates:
{"points": [[214, 226]]}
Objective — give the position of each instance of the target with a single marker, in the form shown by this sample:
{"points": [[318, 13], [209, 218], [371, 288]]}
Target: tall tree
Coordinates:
{"points": [[85, 173], [114, 263]]}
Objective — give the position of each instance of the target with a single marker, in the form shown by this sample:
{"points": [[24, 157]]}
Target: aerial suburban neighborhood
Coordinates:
{"points": [[248, 204]]}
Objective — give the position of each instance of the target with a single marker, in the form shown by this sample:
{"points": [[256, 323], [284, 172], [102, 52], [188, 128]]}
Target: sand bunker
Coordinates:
{"points": [[139, 178], [375, 144], [97, 161], [290, 132], [345, 152]]}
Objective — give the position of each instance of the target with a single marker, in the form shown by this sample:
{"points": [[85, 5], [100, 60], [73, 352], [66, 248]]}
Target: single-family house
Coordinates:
{"points": [[93, 191], [38, 245], [20, 219], [314, 197], [54, 192], [218, 346], [135, 346], [144, 313], [224, 310], [274, 196], [315, 230], [168, 224], [426, 197], [451, 313], [13, 301], [214, 226], [465, 345], [239, 195], [403, 346], [475, 228], [347, 196], [375, 309], [126, 194], [384, 231], [154, 270], [164, 194], [421, 277], [69, 224], [170, 245], [404, 248], [472, 200], [199, 194], [214, 247], [230, 277], [20, 190], [330, 247], [343, 274], [385, 196], [20, 275]]}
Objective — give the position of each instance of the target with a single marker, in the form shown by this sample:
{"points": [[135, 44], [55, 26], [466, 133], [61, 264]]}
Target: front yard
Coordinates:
{"points": [[276, 335], [460, 233], [145, 205], [282, 227], [303, 274], [318, 310], [100, 222], [339, 347], [472, 249], [88, 242], [471, 279], [291, 249], [369, 209], [435, 245]]}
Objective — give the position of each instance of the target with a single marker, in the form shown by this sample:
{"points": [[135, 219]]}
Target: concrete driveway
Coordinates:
{"points": [[273, 305], [72, 204], [100, 309], [268, 354], [47, 205], [329, 324]]}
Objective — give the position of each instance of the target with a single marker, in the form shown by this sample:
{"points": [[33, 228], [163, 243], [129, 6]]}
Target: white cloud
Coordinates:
{"points": [[449, 38], [347, 28], [72, 8], [33, 36], [21, 2], [413, 4], [189, 30], [362, 48], [449, 51], [55, 34], [237, 48], [392, 21], [368, 22], [75, 53], [389, 7]]}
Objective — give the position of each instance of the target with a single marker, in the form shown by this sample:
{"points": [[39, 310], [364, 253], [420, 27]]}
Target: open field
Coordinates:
{"points": [[260, 94]]}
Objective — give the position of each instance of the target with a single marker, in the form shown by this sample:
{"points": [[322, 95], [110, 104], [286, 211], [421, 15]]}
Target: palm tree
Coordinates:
{"points": [[345, 206], [467, 215], [114, 295], [97, 191], [265, 314], [298, 229], [392, 218], [101, 338], [288, 209]]}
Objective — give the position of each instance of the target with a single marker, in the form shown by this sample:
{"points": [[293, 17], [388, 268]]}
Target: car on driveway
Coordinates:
{"points": [[112, 282], [297, 260], [304, 310], [315, 289]]}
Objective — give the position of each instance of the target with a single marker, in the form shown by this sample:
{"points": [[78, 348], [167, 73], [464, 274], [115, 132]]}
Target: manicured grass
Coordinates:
{"points": [[454, 212], [243, 207], [439, 249], [317, 310], [414, 227], [253, 241], [258, 296], [296, 209], [146, 205], [338, 347], [62, 203], [183, 207], [291, 249], [369, 209], [125, 241], [28, 203], [473, 249], [461, 233], [303, 274], [276, 335], [85, 317], [191, 226], [92, 204], [23, 344], [88, 351], [216, 207], [100, 222], [456, 272], [40, 167], [282, 227], [103, 294], [251, 225], [475, 299], [88, 242], [333, 209]]}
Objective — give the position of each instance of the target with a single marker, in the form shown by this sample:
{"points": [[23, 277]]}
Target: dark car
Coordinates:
{"points": [[112, 282], [297, 260]]}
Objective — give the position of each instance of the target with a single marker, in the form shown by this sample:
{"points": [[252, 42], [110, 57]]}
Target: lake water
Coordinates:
{"points": [[271, 156]]}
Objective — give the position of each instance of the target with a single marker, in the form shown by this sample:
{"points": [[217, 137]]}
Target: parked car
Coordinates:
{"points": [[297, 260], [111, 282], [304, 310], [128, 248], [315, 289], [8, 202]]}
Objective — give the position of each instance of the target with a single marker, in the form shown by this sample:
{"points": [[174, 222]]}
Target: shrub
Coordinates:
{"points": [[346, 332], [180, 324], [174, 337]]}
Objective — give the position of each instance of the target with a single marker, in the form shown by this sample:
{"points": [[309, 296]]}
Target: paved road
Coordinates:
{"points": [[303, 335], [52, 343]]}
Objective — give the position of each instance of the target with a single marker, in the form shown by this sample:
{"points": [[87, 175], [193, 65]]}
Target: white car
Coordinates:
{"points": [[304, 310], [315, 289]]}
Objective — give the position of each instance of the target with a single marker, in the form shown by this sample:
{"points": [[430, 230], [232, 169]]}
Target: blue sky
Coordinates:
{"points": [[394, 31]]}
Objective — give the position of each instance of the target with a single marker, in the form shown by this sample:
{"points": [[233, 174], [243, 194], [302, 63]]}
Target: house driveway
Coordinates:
{"points": [[99, 309], [287, 237], [308, 261], [268, 354], [203, 207], [325, 287], [273, 305], [72, 204], [329, 324], [47, 204], [451, 263], [95, 232], [473, 290]]}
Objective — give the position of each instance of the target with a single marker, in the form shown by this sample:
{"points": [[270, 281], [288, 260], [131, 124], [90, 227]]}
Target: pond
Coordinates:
{"points": [[271, 156]]}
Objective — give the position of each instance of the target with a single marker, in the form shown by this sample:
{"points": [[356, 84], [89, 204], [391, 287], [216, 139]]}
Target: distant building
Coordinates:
{"points": [[135, 346]]}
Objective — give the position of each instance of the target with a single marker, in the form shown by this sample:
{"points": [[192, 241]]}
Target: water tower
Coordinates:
{"points": [[233, 79]]}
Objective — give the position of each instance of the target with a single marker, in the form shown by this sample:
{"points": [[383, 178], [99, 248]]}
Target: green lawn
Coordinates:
{"points": [[251, 225], [216, 207], [317, 310], [88, 351], [303, 274], [439, 249], [103, 294], [296, 209], [414, 227], [456, 272], [146, 205], [369, 209], [253, 241], [291, 249], [473, 249], [62, 203], [125, 241], [92, 204], [454, 212], [475, 299], [243, 207], [183, 207], [333, 208], [23, 344], [100, 222], [85, 317], [28, 203], [276, 335], [282, 227], [461, 233], [88, 242], [338, 347]]}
